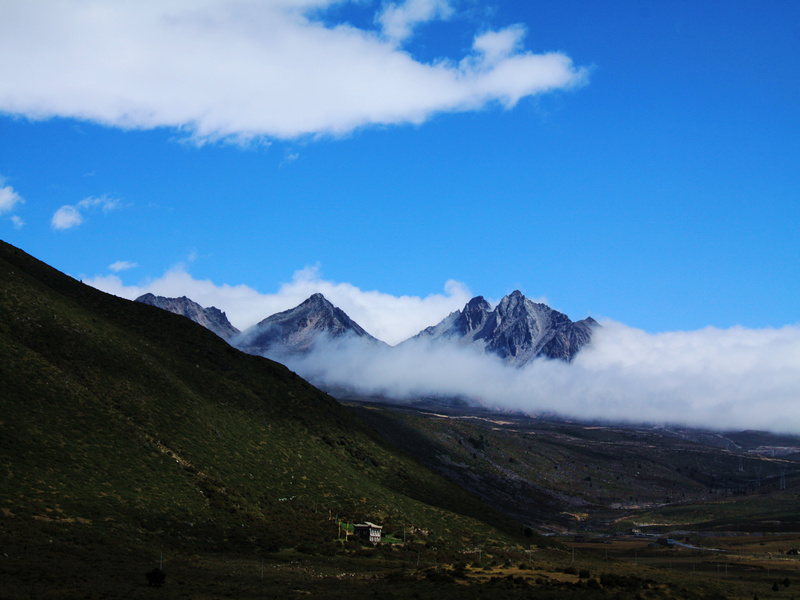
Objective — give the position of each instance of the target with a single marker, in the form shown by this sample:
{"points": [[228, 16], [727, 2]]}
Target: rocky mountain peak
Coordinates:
{"points": [[316, 298], [478, 303], [211, 318], [513, 304], [474, 314], [295, 331], [517, 330]]}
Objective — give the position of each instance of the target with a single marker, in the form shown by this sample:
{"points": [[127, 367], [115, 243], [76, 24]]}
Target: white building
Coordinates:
{"points": [[368, 531]]}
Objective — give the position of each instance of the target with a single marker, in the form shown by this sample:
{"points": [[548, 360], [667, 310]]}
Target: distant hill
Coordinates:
{"points": [[517, 330], [211, 318]]}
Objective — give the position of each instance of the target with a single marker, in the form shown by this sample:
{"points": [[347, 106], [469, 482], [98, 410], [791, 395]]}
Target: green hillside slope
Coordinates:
{"points": [[122, 423]]}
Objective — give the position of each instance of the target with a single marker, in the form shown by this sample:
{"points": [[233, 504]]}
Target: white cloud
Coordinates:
{"points": [[69, 216], [248, 69], [495, 46], [105, 203], [8, 198], [389, 318], [66, 217], [722, 379], [122, 265], [398, 20], [17, 221]]}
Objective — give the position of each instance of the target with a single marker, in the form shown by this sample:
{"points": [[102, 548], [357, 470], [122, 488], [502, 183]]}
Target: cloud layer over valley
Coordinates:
{"points": [[722, 379], [734, 378]]}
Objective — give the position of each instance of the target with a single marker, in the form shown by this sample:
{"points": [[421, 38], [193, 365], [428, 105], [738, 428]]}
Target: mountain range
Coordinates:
{"points": [[517, 330]]}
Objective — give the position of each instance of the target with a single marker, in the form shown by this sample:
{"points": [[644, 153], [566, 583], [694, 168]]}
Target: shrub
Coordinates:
{"points": [[156, 577], [459, 570], [626, 581], [441, 576], [306, 548]]}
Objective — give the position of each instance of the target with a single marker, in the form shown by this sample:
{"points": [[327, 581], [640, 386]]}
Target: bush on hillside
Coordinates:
{"points": [[156, 577]]}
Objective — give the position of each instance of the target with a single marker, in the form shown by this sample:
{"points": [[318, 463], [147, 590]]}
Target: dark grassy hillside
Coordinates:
{"points": [[124, 424]]}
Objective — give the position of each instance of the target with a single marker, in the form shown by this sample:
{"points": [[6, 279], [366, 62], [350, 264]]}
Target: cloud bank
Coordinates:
{"points": [[720, 379], [733, 378], [252, 68]]}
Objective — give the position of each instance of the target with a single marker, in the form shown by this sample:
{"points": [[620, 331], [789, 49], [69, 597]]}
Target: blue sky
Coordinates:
{"points": [[647, 172]]}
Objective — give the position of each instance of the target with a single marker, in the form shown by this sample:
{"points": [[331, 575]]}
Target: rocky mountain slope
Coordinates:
{"points": [[517, 330], [295, 331], [211, 318]]}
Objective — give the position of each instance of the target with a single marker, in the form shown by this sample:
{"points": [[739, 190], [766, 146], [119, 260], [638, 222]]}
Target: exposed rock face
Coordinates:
{"points": [[211, 318], [517, 330], [295, 331]]}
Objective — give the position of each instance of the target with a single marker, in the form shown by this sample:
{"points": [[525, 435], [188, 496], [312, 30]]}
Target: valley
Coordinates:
{"points": [[133, 439], [558, 475]]}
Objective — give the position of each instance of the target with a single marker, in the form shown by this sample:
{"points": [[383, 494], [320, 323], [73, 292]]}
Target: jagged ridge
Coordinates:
{"points": [[517, 330], [211, 318]]}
